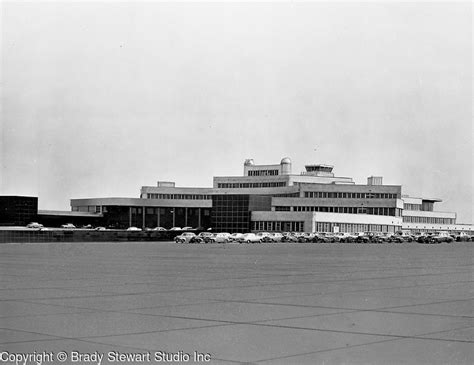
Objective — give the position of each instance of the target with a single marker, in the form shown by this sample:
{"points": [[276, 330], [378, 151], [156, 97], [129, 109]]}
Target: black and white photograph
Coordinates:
{"points": [[236, 182]]}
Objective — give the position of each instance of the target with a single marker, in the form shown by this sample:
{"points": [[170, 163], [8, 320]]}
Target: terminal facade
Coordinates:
{"points": [[272, 198]]}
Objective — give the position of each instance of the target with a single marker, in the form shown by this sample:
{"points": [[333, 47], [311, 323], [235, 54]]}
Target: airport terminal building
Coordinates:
{"points": [[272, 198]]}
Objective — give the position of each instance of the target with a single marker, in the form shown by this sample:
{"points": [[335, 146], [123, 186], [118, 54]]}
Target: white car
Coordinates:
{"points": [[220, 238], [34, 225], [262, 235], [345, 237], [175, 229], [274, 237], [159, 229], [68, 226], [250, 238], [134, 229]]}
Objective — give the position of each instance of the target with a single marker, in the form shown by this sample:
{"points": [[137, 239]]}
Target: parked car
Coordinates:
{"points": [[344, 237], [34, 225], [87, 226], [305, 237], [404, 236], [250, 238], [425, 238], [320, 238], [159, 229], [289, 237], [273, 237], [332, 237], [234, 237], [203, 237], [264, 236], [220, 238], [422, 238], [68, 226], [206, 236], [100, 228], [135, 229], [397, 238], [185, 237], [376, 237], [385, 237], [175, 229], [440, 237], [187, 228], [462, 237]]}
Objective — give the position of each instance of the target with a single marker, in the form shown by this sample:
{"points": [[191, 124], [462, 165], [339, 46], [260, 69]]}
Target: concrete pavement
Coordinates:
{"points": [[261, 304]]}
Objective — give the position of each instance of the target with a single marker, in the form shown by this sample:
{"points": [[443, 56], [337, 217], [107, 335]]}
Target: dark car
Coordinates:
{"points": [[376, 238], [462, 237], [305, 237], [320, 238], [203, 237], [184, 237], [362, 237], [289, 237], [424, 238], [403, 237], [397, 238]]}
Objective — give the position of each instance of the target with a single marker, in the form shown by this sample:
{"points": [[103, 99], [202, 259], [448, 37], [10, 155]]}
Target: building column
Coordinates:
{"points": [[129, 216], [174, 220], [158, 217], [143, 217], [186, 216], [199, 217]]}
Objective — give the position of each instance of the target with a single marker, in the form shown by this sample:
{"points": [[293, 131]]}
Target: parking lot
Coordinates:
{"points": [[299, 303]]}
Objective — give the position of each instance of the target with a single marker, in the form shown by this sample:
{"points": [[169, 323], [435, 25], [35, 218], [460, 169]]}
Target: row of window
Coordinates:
{"points": [[407, 206], [429, 220], [342, 195], [396, 212], [283, 226], [179, 196], [354, 227], [88, 208], [230, 212], [262, 172], [251, 185], [137, 210], [168, 210], [434, 230], [278, 226]]}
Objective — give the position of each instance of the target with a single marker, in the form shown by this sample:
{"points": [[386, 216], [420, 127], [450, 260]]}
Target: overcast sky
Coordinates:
{"points": [[99, 99]]}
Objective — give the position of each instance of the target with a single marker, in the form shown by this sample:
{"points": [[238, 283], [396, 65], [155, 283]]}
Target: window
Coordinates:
{"points": [[262, 173]]}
